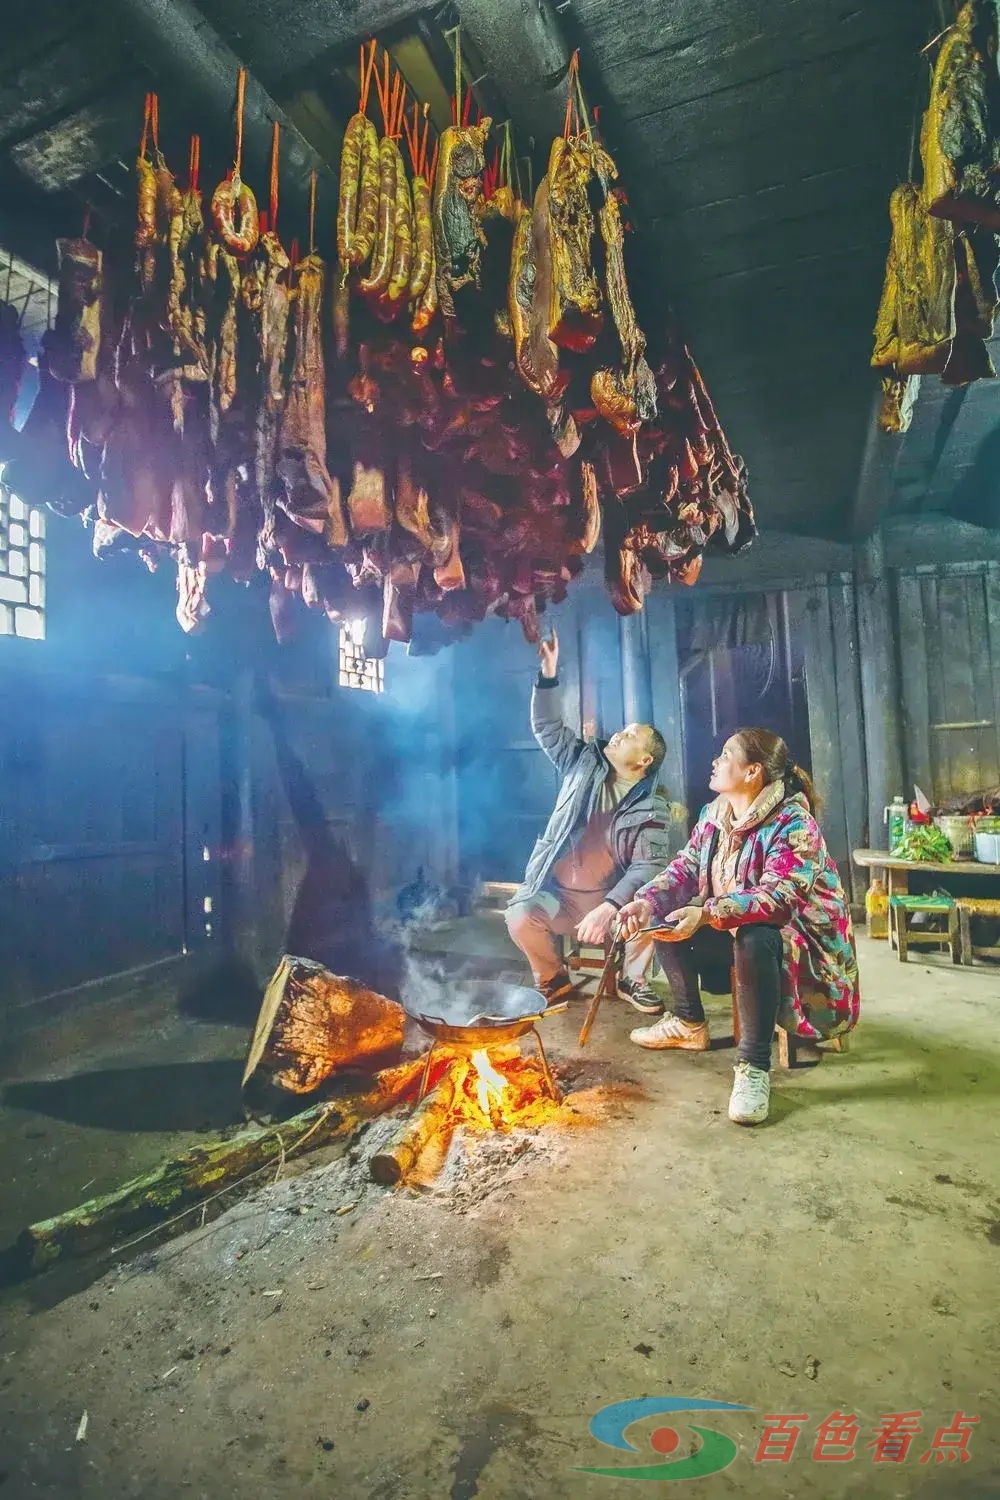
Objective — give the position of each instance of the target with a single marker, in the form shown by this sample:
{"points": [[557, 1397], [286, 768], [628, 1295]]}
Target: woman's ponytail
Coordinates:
{"points": [[797, 780]]}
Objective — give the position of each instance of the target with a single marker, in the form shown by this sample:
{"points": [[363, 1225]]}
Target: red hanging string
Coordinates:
{"points": [[312, 212], [194, 163], [241, 87], [398, 105], [154, 121], [273, 212], [412, 134], [423, 147], [147, 114], [572, 112], [366, 81]]}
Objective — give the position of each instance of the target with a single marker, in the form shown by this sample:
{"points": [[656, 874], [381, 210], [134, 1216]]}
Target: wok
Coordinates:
{"points": [[478, 1012]]}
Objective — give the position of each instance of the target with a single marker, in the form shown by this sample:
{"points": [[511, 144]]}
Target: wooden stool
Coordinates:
{"points": [[969, 907], [901, 908], [585, 959], [788, 1041]]}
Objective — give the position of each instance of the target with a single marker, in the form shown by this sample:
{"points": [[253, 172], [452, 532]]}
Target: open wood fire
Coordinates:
{"points": [[478, 1090], [471, 1076]]}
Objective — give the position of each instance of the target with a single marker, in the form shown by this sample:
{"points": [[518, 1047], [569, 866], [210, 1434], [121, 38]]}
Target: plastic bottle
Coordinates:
{"points": [[895, 816], [877, 910]]}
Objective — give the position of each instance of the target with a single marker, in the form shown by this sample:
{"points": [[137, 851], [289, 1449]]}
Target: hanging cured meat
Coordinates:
{"points": [[440, 431], [77, 334], [960, 143], [575, 315], [458, 197], [357, 213], [312, 497], [916, 319]]}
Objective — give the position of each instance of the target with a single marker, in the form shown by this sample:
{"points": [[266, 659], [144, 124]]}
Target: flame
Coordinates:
{"points": [[490, 1085]]}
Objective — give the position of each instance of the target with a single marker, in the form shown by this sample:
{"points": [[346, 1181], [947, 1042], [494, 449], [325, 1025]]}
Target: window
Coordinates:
{"points": [[356, 671], [22, 568]]}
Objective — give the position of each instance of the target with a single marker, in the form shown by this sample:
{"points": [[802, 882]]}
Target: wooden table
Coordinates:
{"points": [[898, 870]]}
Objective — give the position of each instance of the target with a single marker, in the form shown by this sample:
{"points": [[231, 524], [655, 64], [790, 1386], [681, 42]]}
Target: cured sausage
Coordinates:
{"points": [[357, 210], [389, 162], [402, 259], [425, 309], [367, 219], [347, 204], [423, 238], [234, 213]]}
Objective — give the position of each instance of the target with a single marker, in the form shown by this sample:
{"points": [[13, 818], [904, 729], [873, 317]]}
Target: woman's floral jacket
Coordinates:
{"points": [[785, 877]]}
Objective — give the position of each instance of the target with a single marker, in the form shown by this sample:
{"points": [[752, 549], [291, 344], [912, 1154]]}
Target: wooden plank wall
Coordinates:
{"points": [[823, 618], [110, 802], [949, 643], [902, 666]]}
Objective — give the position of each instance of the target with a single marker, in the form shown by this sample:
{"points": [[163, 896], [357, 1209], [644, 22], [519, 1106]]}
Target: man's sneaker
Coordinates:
{"points": [[557, 990], [671, 1031], [751, 1096], [641, 997]]}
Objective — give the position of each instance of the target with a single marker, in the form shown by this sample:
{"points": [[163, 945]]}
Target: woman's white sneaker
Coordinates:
{"points": [[751, 1096], [671, 1031]]}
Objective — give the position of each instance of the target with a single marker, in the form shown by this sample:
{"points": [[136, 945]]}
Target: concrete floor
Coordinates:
{"points": [[844, 1258]]}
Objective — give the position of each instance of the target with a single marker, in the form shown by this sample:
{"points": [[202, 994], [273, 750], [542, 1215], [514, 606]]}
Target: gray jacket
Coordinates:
{"points": [[644, 827]]}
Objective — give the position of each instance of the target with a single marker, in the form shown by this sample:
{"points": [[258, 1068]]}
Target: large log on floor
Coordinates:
{"points": [[186, 1180], [313, 1023]]}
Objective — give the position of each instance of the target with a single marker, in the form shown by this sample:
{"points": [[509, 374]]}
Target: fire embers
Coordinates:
{"points": [[479, 1090], [477, 1096]]}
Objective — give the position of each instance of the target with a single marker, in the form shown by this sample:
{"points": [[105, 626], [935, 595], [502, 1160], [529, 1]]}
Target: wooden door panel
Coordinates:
{"points": [[92, 854]]}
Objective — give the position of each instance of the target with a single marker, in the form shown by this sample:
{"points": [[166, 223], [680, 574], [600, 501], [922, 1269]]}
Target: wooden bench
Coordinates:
{"points": [[494, 896], [905, 937], [898, 871], [970, 907]]}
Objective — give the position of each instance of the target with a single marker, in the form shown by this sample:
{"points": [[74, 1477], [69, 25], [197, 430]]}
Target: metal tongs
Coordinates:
{"points": [[604, 987]]}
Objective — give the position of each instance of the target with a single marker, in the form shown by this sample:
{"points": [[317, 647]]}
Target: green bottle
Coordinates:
{"points": [[895, 816]]}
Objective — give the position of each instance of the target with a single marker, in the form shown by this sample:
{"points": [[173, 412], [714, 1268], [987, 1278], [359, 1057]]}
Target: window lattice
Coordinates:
{"points": [[356, 670], [22, 568]]}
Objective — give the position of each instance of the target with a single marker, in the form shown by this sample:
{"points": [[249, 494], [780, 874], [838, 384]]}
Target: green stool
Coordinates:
{"points": [[945, 934]]}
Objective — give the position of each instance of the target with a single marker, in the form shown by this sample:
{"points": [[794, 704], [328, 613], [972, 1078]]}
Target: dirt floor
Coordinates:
{"points": [[331, 1338]]}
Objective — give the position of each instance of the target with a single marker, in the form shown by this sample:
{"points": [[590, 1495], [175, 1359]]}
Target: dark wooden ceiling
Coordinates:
{"points": [[759, 141]]}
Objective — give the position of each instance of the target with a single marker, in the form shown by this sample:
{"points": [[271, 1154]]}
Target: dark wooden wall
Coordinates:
{"points": [[900, 642], [165, 798], [949, 644]]}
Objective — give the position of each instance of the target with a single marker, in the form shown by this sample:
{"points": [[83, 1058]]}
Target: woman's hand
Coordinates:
{"points": [[684, 923], [634, 917]]}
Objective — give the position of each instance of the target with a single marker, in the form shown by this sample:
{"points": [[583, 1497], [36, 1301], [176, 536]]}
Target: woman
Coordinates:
{"points": [[755, 888]]}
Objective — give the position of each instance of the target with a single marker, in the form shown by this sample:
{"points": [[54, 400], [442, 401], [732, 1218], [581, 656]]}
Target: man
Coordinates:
{"points": [[609, 834]]}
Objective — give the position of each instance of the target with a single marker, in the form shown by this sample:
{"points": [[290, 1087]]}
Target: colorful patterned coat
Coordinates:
{"points": [[784, 876]]}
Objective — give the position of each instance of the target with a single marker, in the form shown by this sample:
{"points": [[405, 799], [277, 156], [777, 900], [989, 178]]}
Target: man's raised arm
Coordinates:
{"points": [[560, 743]]}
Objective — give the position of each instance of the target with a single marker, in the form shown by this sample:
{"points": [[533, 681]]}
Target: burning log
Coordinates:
{"points": [[185, 1181], [431, 1120], [313, 1023]]}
